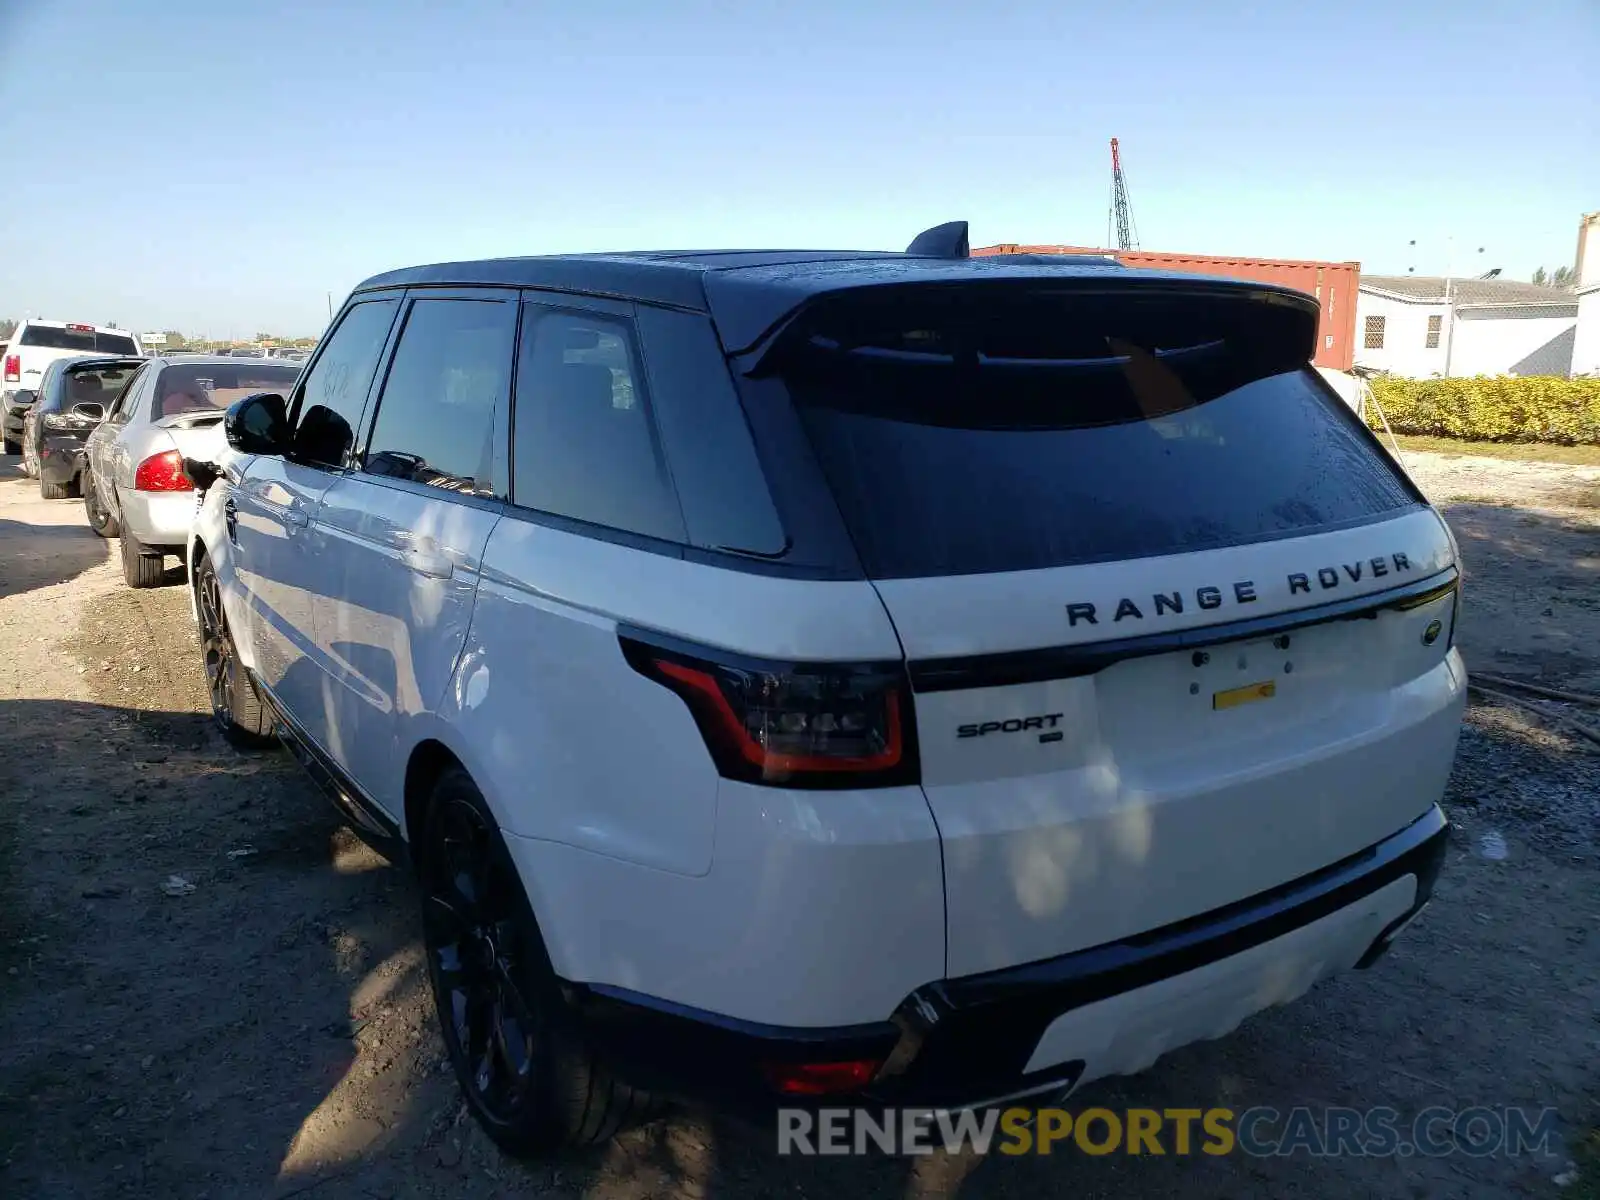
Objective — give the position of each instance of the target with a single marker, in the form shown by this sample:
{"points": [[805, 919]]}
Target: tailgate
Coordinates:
{"points": [[1166, 604], [1092, 788]]}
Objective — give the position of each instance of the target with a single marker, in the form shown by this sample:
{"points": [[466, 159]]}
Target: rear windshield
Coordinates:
{"points": [[184, 389], [93, 385], [982, 450], [88, 340]]}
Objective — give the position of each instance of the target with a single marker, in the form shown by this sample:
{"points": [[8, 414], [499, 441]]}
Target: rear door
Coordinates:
{"points": [[1165, 604], [405, 532]]}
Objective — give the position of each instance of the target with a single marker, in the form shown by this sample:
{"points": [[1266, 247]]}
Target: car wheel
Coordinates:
{"points": [[141, 566], [523, 1068], [235, 704], [55, 491], [101, 521], [12, 447]]}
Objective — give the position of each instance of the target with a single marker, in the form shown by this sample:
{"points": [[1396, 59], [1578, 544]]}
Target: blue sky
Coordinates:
{"points": [[219, 167]]}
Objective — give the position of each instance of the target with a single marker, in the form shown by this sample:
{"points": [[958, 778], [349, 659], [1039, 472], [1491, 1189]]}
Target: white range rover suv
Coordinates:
{"points": [[806, 677]]}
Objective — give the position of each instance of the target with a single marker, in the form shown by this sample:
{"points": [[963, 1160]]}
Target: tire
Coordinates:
{"points": [[55, 491], [141, 566], [536, 1088], [236, 706], [12, 447], [101, 521]]}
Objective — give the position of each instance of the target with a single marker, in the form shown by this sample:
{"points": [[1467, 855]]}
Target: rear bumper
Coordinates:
{"points": [[60, 460], [1042, 1028], [161, 519]]}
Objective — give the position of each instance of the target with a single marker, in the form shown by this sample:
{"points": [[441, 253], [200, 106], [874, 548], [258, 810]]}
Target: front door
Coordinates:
{"points": [[281, 561], [405, 532]]}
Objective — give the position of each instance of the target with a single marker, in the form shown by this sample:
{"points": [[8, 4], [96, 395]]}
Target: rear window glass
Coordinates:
{"points": [[87, 340], [954, 448], [94, 385], [182, 389]]}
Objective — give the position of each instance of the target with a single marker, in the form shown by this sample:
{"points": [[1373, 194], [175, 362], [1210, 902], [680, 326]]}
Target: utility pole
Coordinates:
{"points": [[330, 308]]}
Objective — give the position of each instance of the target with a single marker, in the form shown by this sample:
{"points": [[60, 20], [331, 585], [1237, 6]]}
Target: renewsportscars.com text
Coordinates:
{"points": [[1260, 1131]]}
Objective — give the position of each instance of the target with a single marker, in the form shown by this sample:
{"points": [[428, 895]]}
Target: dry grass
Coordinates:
{"points": [[1583, 456]]}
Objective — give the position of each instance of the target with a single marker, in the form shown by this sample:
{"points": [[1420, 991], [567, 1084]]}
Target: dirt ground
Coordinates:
{"points": [[265, 1031]]}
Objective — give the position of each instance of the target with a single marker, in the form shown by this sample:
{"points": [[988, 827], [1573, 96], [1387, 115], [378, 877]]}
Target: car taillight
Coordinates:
{"points": [[13, 368], [821, 1079], [802, 725], [162, 473]]}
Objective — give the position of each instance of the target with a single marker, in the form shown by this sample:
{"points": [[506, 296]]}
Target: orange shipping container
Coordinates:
{"points": [[1333, 284]]}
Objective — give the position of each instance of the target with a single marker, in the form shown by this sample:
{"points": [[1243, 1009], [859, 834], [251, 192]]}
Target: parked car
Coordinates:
{"points": [[14, 405], [840, 678], [135, 487], [35, 344], [74, 394]]}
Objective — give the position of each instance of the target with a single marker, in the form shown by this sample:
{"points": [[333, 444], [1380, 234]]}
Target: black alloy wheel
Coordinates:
{"points": [[235, 705], [476, 960], [524, 1069]]}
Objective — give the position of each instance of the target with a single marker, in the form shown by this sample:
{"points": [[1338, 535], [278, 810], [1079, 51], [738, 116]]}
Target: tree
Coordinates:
{"points": [[7, 327], [174, 338], [1540, 279], [1563, 277]]}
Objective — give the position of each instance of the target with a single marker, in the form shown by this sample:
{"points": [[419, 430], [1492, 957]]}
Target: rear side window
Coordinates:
{"points": [[335, 391], [1058, 434], [437, 416], [77, 337], [584, 445]]}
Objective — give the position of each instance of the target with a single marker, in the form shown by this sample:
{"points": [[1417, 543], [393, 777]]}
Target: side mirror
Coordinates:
{"points": [[88, 410], [258, 424], [23, 397]]}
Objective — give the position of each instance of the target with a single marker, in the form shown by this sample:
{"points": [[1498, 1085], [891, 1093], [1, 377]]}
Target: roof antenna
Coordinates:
{"points": [[942, 241]]}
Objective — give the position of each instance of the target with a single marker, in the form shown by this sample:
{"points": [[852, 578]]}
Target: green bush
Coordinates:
{"points": [[1532, 408]]}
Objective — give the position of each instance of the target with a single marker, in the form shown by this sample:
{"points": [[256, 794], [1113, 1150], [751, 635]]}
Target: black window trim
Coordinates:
{"points": [[380, 381], [618, 313], [297, 396]]}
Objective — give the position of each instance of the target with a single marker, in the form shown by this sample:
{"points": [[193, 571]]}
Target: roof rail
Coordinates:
{"points": [[942, 241]]}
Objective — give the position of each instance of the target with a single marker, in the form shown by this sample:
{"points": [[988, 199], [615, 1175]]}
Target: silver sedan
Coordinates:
{"points": [[134, 485]]}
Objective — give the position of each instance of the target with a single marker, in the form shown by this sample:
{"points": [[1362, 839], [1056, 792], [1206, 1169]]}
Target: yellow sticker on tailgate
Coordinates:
{"points": [[1248, 694]]}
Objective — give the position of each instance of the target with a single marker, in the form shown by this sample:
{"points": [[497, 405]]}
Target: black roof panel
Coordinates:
{"points": [[748, 291]]}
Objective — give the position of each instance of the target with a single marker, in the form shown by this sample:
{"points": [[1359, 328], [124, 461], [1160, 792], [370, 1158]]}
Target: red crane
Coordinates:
{"points": [[1120, 215]]}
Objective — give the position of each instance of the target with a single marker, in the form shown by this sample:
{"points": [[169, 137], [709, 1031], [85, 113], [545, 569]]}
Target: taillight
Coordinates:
{"points": [[804, 725], [821, 1079], [162, 473], [13, 368]]}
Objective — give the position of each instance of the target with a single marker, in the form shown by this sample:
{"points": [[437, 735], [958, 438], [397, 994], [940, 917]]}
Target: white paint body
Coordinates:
{"points": [[807, 908]]}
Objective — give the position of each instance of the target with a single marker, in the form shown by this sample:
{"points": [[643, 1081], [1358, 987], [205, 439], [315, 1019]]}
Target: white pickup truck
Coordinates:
{"points": [[34, 345]]}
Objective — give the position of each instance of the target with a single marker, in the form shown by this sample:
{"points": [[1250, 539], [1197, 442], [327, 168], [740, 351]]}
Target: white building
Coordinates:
{"points": [[1406, 326], [1586, 345]]}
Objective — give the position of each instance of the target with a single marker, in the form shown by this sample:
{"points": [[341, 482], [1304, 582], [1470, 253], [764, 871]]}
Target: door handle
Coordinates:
{"points": [[293, 516], [430, 563]]}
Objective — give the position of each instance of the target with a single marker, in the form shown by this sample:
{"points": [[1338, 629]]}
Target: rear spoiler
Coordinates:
{"points": [[750, 305], [1171, 314]]}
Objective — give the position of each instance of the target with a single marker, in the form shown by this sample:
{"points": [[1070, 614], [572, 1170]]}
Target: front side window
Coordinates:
{"points": [[335, 390], [585, 446], [450, 377]]}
